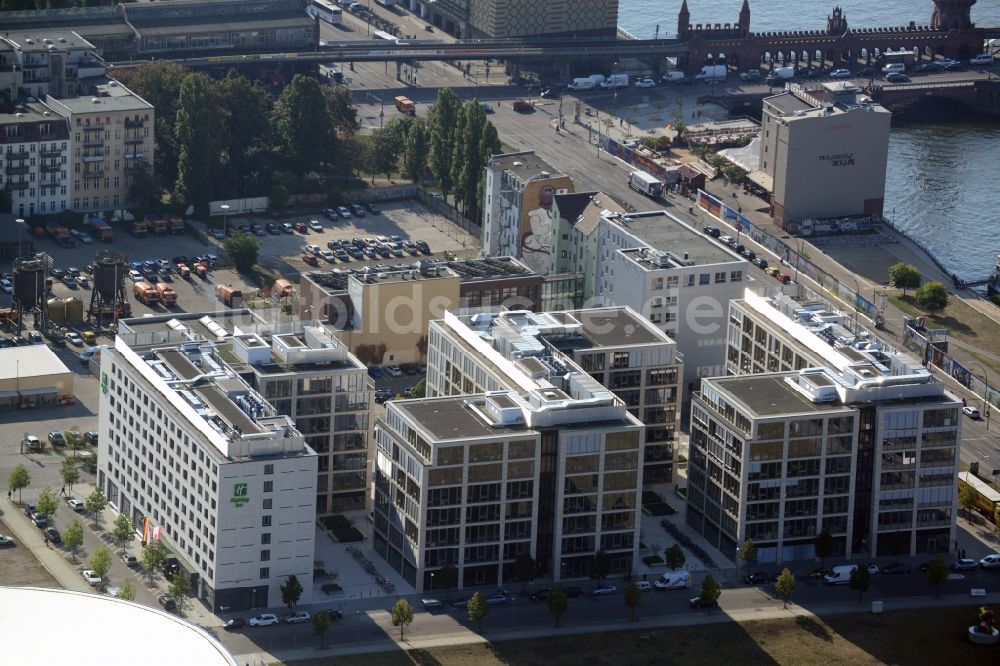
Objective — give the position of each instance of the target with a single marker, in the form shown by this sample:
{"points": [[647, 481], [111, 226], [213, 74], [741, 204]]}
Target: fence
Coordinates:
{"points": [[444, 210]]}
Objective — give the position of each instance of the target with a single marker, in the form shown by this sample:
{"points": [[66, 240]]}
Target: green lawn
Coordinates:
{"points": [[930, 636]]}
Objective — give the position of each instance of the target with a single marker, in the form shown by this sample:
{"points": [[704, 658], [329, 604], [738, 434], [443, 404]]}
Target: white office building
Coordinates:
{"points": [[228, 483]]}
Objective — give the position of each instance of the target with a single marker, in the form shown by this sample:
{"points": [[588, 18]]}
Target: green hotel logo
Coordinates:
{"points": [[239, 497]]}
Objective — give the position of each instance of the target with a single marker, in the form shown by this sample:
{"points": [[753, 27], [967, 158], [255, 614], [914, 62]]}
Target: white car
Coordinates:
{"points": [[297, 617], [135, 276], [344, 212], [74, 339], [971, 412], [393, 371], [315, 225], [990, 561], [83, 283], [840, 74], [75, 504], [86, 239], [327, 256], [263, 620], [313, 249], [645, 83], [91, 577], [945, 62], [6, 285], [6, 540]]}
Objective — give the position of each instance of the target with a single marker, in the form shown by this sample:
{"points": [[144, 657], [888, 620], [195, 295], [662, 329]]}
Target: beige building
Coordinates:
{"points": [[823, 154], [33, 376], [519, 18], [111, 134]]}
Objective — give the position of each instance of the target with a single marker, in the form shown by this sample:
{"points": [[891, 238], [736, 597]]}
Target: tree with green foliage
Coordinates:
{"points": [[402, 615], [100, 562], [47, 503], [153, 556], [72, 537], [291, 592], [674, 557], [70, 473], [180, 586], [341, 110], [937, 574], [417, 150], [710, 592], [159, 83], [126, 591], [18, 479], [446, 579], [142, 190], [784, 585], [302, 124], [321, 624], [967, 498], [94, 505], [418, 390], [600, 566], [123, 531], [932, 296], [748, 554], [633, 597], [73, 437], [524, 569], [489, 145], [242, 250], [557, 602], [860, 580], [444, 118], [247, 112], [197, 127], [478, 609], [823, 543], [382, 153], [904, 276]]}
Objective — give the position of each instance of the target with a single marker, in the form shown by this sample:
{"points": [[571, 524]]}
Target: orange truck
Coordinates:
{"points": [[140, 228], [57, 232], [176, 225], [229, 295], [282, 288], [166, 293], [102, 230], [144, 292], [157, 224], [405, 105]]}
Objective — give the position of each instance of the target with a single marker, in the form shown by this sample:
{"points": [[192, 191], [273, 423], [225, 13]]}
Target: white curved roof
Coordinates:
{"points": [[95, 629]]}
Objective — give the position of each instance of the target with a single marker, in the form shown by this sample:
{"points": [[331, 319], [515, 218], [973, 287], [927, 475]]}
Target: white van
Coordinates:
{"points": [[673, 580], [896, 67], [982, 59], [840, 575], [643, 586]]}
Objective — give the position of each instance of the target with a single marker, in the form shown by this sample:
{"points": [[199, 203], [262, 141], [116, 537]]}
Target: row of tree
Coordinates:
{"points": [[453, 143]]}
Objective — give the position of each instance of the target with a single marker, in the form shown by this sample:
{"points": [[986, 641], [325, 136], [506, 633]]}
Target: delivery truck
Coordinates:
{"points": [[145, 293], [711, 73], [781, 74], [166, 293], [229, 295], [615, 81], [587, 82], [640, 181], [405, 105]]}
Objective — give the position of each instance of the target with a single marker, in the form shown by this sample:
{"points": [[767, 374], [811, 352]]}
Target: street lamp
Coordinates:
{"points": [[225, 212], [381, 113], [20, 227], [986, 391], [614, 96]]}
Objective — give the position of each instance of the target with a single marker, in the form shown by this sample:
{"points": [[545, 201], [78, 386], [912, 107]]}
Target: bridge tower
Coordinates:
{"points": [[683, 21], [744, 22], [836, 23], [952, 14]]}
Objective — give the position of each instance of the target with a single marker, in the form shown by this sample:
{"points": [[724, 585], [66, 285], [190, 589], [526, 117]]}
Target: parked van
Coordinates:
{"points": [[615, 81], [581, 84], [840, 575], [982, 59], [673, 580], [643, 586], [672, 76], [894, 67]]}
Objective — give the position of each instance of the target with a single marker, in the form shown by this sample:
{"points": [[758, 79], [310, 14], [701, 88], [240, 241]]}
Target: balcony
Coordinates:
{"points": [[18, 187], [93, 158], [90, 175], [132, 140], [49, 153], [15, 170], [23, 155], [134, 122], [51, 166], [93, 142]]}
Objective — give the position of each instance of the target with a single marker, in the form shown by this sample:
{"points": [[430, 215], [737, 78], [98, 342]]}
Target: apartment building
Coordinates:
{"points": [[518, 212], [304, 372], [41, 62], [111, 130], [575, 244], [497, 19], [678, 277], [473, 481], [616, 346], [868, 454], [34, 159], [811, 139], [382, 313], [223, 479]]}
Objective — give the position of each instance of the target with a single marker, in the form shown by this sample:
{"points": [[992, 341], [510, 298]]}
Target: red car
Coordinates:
{"points": [[310, 259], [783, 278], [300, 227]]}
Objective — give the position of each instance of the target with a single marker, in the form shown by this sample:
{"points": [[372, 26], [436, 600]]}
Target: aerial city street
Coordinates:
{"points": [[492, 332]]}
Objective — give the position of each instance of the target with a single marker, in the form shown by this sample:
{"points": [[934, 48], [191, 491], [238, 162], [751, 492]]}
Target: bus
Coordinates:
{"points": [[379, 34], [326, 10]]}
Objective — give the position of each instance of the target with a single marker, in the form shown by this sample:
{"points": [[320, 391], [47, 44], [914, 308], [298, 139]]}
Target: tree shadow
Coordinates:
{"points": [[810, 625]]}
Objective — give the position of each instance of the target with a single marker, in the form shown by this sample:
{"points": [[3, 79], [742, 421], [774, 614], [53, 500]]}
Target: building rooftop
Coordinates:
{"points": [[33, 112], [454, 418], [467, 270], [585, 210], [829, 98], [771, 395], [109, 95], [183, 326], [618, 327], [671, 243], [525, 165], [29, 361], [44, 41]]}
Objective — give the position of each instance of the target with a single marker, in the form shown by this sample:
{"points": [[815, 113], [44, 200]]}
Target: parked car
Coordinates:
{"points": [[56, 438], [541, 595], [7, 286], [90, 437], [331, 213], [358, 210], [264, 620], [313, 249], [714, 232], [40, 521], [168, 603], [783, 278], [896, 77], [645, 82], [698, 602], [424, 247], [300, 227], [756, 578], [991, 561], [74, 339], [287, 228], [603, 590], [573, 591], [393, 371], [343, 212], [91, 577], [333, 613], [431, 604], [841, 74], [496, 599], [461, 603], [896, 569], [130, 561], [52, 534], [374, 372], [971, 412], [760, 263], [522, 106], [371, 208], [327, 256], [298, 617], [6, 541], [234, 623], [76, 505], [964, 564], [310, 259], [315, 225]]}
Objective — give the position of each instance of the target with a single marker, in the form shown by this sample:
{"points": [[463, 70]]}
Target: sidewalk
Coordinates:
{"points": [[30, 537]]}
